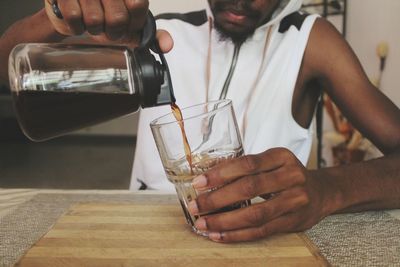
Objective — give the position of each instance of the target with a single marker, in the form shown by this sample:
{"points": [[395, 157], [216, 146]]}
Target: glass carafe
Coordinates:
{"points": [[59, 88]]}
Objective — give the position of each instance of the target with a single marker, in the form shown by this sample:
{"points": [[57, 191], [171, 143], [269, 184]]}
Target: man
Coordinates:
{"points": [[272, 61]]}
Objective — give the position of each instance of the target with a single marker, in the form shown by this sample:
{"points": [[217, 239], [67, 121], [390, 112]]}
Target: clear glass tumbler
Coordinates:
{"points": [[213, 136]]}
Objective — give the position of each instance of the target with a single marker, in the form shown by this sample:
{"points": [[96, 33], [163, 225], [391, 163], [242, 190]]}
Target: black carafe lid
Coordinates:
{"points": [[156, 86]]}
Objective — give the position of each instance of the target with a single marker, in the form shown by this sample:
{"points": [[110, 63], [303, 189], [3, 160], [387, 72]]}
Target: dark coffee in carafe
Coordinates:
{"points": [[43, 115]]}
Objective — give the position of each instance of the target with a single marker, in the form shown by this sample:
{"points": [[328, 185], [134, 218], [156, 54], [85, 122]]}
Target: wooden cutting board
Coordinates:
{"points": [[94, 234]]}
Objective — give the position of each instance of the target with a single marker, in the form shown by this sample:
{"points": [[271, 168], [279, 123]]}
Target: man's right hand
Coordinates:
{"points": [[105, 20]]}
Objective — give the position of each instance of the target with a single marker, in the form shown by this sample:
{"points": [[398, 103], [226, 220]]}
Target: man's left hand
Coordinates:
{"points": [[294, 199]]}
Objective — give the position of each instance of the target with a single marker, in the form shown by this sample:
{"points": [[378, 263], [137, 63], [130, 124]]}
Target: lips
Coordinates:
{"points": [[234, 17], [237, 17], [240, 10]]}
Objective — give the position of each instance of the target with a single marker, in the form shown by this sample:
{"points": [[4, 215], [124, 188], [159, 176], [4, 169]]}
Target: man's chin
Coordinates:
{"points": [[236, 33]]}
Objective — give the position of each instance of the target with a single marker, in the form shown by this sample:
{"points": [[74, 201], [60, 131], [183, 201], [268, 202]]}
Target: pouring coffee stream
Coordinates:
{"points": [[176, 111]]}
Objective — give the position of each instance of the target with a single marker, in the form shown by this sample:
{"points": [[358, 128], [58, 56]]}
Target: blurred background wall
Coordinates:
{"points": [[371, 22]]}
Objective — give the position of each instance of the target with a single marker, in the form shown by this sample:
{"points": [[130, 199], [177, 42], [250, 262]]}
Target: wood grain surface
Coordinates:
{"points": [[94, 234]]}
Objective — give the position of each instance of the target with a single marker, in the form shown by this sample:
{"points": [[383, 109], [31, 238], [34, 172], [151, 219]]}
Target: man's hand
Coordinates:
{"points": [[293, 198], [111, 19], [106, 21]]}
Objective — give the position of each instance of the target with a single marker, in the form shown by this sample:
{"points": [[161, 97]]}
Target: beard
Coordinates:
{"points": [[234, 37]]}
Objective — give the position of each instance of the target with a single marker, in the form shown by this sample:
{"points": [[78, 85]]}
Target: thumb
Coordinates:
{"points": [[165, 41]]}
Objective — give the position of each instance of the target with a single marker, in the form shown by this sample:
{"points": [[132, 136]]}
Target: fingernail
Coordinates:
{"points": [[214, 236], [192, 207], [199, 182], [201, 224]]}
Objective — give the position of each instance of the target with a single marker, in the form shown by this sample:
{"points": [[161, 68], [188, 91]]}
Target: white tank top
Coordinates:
{"points": [[261, 87]]}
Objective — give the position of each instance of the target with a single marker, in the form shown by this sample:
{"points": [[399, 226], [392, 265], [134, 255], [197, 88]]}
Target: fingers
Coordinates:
{"points": [[93, 16], [117, 19], [284, 224], [72, 13], [120, 20], [249, 187], [255, 215], [247, 165]]}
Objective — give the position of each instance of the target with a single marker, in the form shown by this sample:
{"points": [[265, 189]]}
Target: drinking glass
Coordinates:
{"points": [[212, 134]]}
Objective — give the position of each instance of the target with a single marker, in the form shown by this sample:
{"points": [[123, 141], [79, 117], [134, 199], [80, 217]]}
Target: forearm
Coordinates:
{"points": [[36, 28], [368, 185]]}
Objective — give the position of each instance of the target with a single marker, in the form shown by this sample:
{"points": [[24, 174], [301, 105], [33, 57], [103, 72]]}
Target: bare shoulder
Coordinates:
{"points": [[327, 50]]}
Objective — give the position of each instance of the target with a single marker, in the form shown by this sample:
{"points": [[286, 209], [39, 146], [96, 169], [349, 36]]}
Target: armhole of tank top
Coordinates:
{"points": [[305, 32]]}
